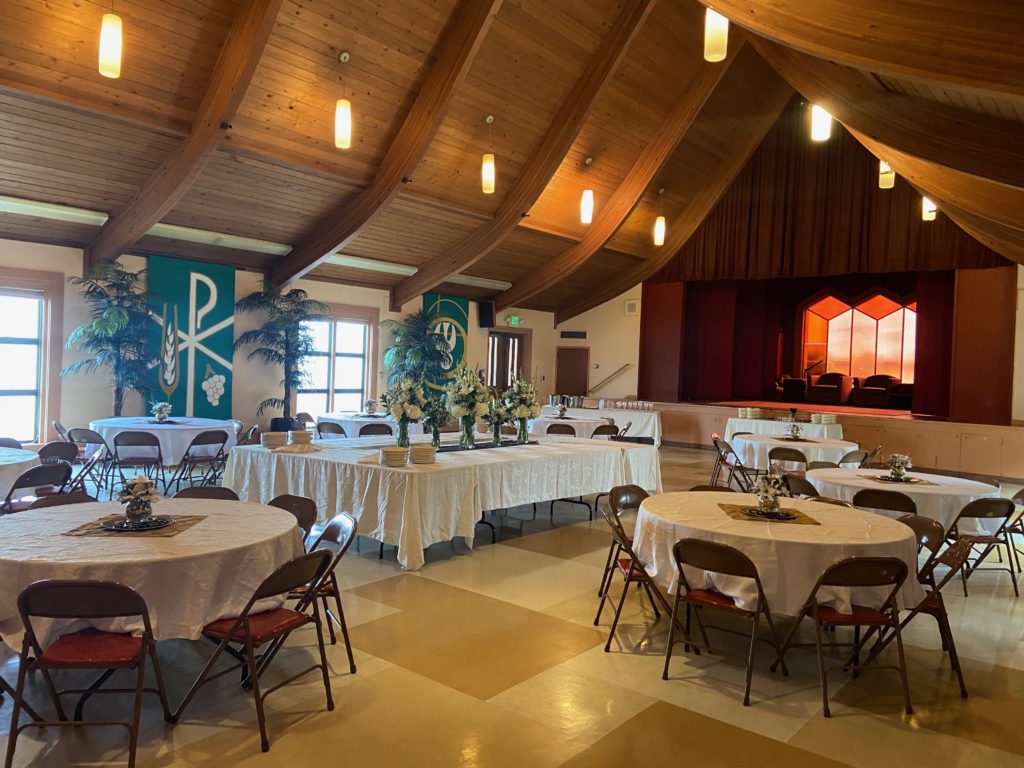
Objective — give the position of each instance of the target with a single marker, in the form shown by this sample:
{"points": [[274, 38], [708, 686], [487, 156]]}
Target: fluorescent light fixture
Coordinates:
{"points": [[21, 207], [479, 282], [206, 237], [371, 265]]}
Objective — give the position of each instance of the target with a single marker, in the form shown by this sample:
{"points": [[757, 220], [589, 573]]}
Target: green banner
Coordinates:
{"points": [[194, 331], [453, 320]]}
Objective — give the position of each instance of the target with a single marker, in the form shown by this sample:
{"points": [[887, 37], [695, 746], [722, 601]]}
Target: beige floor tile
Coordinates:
{"points": [[569, 541]]}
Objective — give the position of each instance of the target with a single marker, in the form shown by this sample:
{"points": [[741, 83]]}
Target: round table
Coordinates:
{"points": [[199, 575], [753, 449], [353, 422], [584, 427], [14, 461], [174, 437], [939, 497], [789, 557]]}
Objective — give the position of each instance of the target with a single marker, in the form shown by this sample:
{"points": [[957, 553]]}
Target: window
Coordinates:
{"points": [[877, 335], [340, 374], [31, 331], [508, 357]]}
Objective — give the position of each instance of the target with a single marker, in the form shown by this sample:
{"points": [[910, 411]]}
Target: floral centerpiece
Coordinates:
{"points": [[436, 416], [405, 402], [794, 431], [769, 488], [898, 464], [561, 410], [138, 496], [496, 416], [521, 405], [161, 411], [466, 398], [370, 407]]}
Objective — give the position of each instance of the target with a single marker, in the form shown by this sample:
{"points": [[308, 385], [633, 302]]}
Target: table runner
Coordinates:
{"points": [[181, 524], [739, 512]]}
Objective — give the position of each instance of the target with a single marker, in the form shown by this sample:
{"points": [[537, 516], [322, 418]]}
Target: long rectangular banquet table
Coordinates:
{"points": [[419, 505], [645, 423]]}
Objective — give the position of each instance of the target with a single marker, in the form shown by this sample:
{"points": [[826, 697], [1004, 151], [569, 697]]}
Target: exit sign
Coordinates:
{"points": [[512, 319]]}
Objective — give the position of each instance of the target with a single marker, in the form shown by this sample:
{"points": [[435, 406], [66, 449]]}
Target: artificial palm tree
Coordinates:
{"points": [[284, 339], [117, 335], [419, 352]]}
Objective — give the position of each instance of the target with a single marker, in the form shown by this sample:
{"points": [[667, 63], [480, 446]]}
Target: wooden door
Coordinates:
{"points": [[572, 370]]}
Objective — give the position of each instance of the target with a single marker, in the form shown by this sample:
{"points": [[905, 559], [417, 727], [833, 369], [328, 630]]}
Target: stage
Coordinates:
{"points": [[809, 408]]}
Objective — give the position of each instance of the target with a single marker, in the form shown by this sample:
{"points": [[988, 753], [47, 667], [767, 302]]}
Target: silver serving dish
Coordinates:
{"points": [[124, 524]]}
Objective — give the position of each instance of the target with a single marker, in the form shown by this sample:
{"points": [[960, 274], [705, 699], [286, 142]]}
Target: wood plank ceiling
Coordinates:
{"points": [[71, 137]]}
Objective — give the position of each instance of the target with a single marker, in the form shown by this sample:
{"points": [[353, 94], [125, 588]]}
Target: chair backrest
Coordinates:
{"points": [[880, 498], [209, 437], [624, 498], [9, 442], [865, 572], [87, 437], [798, 486], [606, 429], [1018, 497], [854, 457], [929, 532], [790, 455], [303, 509], [251, 437], [61, 430], [508, 429], [217, 492], [304, 418], [58, 450], [830, 500], [953, 557], [561, 429], [239, 427], [623, 431], [376, 429], [300, 572], [714, 557], [62, 500], [715, 488], [61, 599], [331, 428], [337, 535], [872, 457], [618, 532], [990, 509], [821, 465], [831, 379], [136, 438], [45, 474]]}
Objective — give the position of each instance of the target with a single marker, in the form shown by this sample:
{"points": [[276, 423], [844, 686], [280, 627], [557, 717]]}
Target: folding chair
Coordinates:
{"points": [[852, 573], [606, 430], [85, 649], [375, 429], [101, 468], [830, 500], [879, 498], [150, 465], [253, 630], [812, 465], [251, 437], [717, 558], [728, 459], [854, 457], [714, 488], [303, 509], [10, 442], [561, 429], [1000, 511], [62, 500], [1017, 526], [930, 536], [44, 480], [798, 486], [58, 450], [330, 430], [621, 498], [206, 454], [782, 455], [61, 430], [621, 436], [217, 492]]}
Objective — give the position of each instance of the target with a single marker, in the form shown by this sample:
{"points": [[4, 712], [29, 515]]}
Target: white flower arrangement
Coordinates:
{"points": [[405, 401], [521, 400], [769, 488], [161, 410], [139, 489], [898, 464], [496, 414], [794, 431], [466, 395]]}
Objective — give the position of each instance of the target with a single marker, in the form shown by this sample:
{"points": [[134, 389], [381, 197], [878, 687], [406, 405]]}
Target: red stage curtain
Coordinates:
{"points": [[934, 357]]}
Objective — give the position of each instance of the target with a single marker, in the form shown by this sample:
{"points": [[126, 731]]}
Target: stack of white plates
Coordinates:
{"points": [[393, 456], [272, 439], [300, 437], [422, 453], [829, 418], [815, 418], [750, 413]]}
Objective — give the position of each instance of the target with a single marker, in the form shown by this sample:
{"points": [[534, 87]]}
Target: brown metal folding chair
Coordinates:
{"points": [[621, 498], [253, 630], [1000, 511], [798, 486], [606, 430], [58, 450], [62, 500], [728, 459], [10, 442], [880, 498], [99, 464], [366, 430], [151, 464], [205, 455], [930, 536], [857, 457], [562, 429], [44, 480], [830, 500], [85, 649], [331, 431], [713, 488], [851, 573], [216, 492], [303, 509], [812, 465], [717, 558], [783, 455]]}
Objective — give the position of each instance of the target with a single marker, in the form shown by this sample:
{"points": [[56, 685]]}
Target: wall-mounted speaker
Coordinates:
{"points": [[485, 314]]}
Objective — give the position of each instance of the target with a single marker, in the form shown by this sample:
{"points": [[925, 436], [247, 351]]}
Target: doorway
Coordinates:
{"points": [[508, 357], [572, 370]]}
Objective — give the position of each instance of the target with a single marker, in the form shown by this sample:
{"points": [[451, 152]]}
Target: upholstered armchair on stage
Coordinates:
{"points": [[875, 391], [830, 389]]}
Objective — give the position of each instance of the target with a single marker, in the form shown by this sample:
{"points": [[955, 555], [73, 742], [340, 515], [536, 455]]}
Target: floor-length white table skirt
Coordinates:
{"points": [[644, 423], [174, 437], [753, 450], [352, 422]]}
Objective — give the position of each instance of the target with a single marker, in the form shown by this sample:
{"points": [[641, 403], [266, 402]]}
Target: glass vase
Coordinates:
{"points": [[403, 433], [898, 473], [496, 432], [138, 510], [522, 432], [768, 503], [467, 436], [435, 437]]}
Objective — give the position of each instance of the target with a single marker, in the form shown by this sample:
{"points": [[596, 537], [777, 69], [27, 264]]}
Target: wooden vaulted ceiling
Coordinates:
{"points": [[223, 121]]}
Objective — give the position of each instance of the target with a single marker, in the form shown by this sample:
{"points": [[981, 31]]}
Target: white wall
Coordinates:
{"points": [[614, 341]]}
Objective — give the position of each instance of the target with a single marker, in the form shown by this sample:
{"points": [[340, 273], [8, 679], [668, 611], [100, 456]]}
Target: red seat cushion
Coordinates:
{"points": [[92, 648], [262, 626], [627, 566], [713, 598], [860, 615]]}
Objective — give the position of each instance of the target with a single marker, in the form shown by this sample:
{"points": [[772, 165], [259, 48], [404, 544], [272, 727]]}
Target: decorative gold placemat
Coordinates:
{"points": [[181, 523], [894, 484], [736, 512]]}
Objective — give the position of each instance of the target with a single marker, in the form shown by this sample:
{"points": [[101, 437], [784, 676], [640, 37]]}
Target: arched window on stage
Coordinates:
{"points": [[877, 335]]}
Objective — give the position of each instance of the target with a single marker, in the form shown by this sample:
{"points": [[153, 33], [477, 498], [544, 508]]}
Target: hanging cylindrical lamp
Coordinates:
{"points": [[110, 45], [587, 199], [928, 209], [343, 124], [488, 174], [886, 175], [716, 36], [659, 223], [821, 123]]}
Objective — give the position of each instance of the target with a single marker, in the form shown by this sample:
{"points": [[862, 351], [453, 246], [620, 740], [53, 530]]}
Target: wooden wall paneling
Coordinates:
{"points": [[982, 454], [867, 436]]}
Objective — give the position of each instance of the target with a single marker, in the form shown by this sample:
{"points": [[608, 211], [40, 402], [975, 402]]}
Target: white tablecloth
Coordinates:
{"points": [[13, 462], [174, 438], [416, 506], [645, 423], [753, 449], [789, 557], [773, 427], [352, 422], [205, 573], [584, 427], [942, 500]]}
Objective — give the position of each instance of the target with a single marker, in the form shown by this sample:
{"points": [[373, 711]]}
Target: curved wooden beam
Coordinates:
{"points": [[965, 44], [228, 82], [1006, 241], [968, 142], [750, 132], [458, 46], [542, 163], [628, 193]]}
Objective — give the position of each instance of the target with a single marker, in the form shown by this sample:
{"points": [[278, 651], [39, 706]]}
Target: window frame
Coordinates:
{"points": [[51, 340], [351, 313]]}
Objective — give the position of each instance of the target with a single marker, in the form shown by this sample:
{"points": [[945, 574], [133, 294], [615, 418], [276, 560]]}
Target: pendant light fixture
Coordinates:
{"points": [[821, 123], [716, 36], [488, 174], [587, 198], [886, 175], [659, 223], [110, 45], [928, 209], [343, 114]]}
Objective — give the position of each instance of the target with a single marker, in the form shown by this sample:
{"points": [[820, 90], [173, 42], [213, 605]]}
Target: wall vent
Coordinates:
{"points": [[573, 334]]}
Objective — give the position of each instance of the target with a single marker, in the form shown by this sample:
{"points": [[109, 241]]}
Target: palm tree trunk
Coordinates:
{"points": [[118, 400]]}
